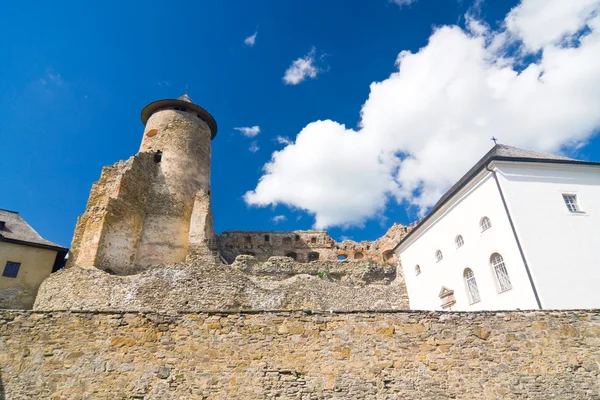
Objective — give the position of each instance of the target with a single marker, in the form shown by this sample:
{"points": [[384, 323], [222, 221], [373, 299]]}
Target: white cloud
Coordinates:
{"points": [[249, 131], [302, 68], [543, 22], [254, 147], [250, 40], [283, 140], [403, 2], [431, 120], [278, 218]]}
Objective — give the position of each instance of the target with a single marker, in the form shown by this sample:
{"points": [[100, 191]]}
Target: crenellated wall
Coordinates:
{"points": [[300, 355]]}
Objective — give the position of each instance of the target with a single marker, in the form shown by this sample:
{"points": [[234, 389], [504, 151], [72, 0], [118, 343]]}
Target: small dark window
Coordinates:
{"points": [[266, 238], [358, 255], [297, 238], [291, 255], [313, 240], [11, 269], [158, 156], [313, 256], [2, 223]]}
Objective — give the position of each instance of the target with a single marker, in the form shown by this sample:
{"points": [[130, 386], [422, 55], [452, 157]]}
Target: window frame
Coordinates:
{"points": [[487, 226], [439, 256], [7, 273], [459, 241], [471, 284], [500, 281], [579, 209]]}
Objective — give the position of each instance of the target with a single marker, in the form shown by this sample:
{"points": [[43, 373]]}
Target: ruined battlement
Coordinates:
{"points": [[309, 245]]}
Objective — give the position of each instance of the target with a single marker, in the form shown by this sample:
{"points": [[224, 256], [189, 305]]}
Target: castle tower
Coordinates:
{"points": [[155, 207]]}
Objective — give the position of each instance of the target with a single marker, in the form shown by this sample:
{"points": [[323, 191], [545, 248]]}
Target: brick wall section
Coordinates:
{"points": [[300, 355]]}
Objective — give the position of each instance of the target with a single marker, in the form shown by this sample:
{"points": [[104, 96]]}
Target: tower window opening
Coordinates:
{"points": [[297, 238], [266, 238], [291, 255], [313, 240], [313, 256], [158, 156]]}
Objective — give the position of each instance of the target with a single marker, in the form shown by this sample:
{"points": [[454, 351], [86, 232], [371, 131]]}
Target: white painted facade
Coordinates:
{"points": [[562, 248], [559, 246]]}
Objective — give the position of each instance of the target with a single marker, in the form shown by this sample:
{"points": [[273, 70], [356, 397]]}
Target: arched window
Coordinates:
{"points": [[501, 273], [438, 255], [291, 255], [485, 224], [459, 241], [313, 256], [388, 255], [471, 284], [313, 240], [358, 255], [342, 257], [417, 270]]}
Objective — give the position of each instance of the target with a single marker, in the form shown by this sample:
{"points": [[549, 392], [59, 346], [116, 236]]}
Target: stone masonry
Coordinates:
{"points": [[279, 283], [300, 355], [155, 207], [305, 246]]}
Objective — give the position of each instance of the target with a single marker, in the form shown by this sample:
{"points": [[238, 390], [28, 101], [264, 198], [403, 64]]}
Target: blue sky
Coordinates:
{"points": [[75, 77]]}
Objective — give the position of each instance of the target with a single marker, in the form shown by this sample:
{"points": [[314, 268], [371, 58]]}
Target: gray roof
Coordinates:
{"points": [[16, 229], [499, 152]]}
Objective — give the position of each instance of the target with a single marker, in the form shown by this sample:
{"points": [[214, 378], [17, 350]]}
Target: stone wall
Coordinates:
{"points": [[302, 244], [300, 355], [279, 283], [107, 234]]}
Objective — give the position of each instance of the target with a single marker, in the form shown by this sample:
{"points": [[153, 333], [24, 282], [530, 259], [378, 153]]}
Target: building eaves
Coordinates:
{"points": [[498, 153], [17, 230]]}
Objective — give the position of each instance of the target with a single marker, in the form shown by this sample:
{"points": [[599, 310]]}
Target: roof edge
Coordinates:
{"points": [[471, 174], [33, 244]]}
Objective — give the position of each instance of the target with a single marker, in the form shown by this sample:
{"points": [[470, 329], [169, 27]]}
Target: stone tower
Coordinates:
{"points": [[155, 207]]}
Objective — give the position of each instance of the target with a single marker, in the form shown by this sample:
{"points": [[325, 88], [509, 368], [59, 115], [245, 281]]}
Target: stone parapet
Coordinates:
{"points": [[300, 355]]}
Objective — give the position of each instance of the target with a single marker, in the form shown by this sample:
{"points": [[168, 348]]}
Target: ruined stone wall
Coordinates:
{"points": [[300, 355], [107, 233], [184, 141], [279, 283], [301, 244]]}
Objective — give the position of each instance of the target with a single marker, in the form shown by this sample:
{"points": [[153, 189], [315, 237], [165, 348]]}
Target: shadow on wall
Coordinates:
{"points": [[1, 387]]}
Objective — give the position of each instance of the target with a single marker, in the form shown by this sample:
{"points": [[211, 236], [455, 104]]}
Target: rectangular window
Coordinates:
{"points": [[571, 202], [11, 269]]}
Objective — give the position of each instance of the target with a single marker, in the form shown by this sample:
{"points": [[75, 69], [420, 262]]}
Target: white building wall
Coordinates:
{"points": [[561, 248], [462, 215]]}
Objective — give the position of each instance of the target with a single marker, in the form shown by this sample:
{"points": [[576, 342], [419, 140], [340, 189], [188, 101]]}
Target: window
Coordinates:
{"points": [[459, 241], [417, 270], [500, 272], [471, 286], [485, 224], [438, 255], [358, 255], [292, 255], [2, 223], [266, 238], [342, 257], [571, 202], [313, 256], [11, 269], [313, 240]]}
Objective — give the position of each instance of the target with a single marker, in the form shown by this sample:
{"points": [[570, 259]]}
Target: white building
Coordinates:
{"points": [[520, 230]]}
